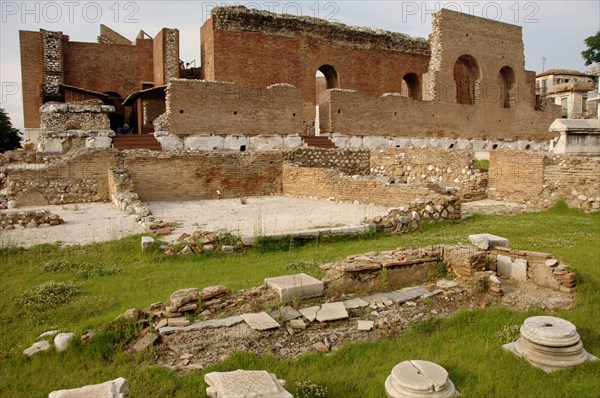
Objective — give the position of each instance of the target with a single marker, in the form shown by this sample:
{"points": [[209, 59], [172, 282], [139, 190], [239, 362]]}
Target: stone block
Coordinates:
{"points": [[62, 340], [245, 384], [203, 142], [39, 346], [184, 296], [364, 325], [332, 312], [310, 313], [516, 269], [117, 388], [295, 287], [260, 321], [147, 243], [285, 314], [355, 303], [488, 241]]}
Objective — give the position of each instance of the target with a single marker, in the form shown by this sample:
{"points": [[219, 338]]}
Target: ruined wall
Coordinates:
{"points": [[330, 183], [198, 175], [77, 178], [109, 67], [31, 77], [166, 56], [542, 179], [89, 115], [347, 161], [202, 107], [448, 167], [357, 114], [259, 48]]}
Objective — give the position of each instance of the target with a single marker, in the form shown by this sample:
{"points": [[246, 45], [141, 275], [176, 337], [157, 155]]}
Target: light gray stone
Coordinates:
{"points": [[146, 341], [38, 346], [297, 324], [431, 293], [117, 388], [49, 333], [406, 294], [285, 314], [295, 287], [446, 284], [12, 204], [310, 313], [62, 340], [260, 321], [516, 269], [488, 241], [364, 325], [378, 298], [184, 296], [332, 312], [147, 243], [419, 379], [355, 303], [245, 384]]}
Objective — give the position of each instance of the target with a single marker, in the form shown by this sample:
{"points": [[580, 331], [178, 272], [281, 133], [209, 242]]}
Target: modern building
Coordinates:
{"points": [[567, 88]]}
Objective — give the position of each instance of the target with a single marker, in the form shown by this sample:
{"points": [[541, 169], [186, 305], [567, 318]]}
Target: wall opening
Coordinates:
{"points": [[466, 78], [411, 86], [326, 78], [116, 118], [506, 82]]}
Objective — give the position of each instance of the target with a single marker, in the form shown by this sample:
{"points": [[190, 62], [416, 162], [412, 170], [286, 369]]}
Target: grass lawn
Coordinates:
{"points": [[468, 344]]}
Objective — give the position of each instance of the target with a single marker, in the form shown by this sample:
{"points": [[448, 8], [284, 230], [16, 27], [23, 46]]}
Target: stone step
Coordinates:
{"points": [[139, 141]]}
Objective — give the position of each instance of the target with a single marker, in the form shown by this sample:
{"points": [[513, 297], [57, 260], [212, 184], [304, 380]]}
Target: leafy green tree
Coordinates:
{"points": [[592, 54], [10, 137]]}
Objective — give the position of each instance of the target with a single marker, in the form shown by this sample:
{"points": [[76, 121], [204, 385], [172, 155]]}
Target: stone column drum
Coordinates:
{"points": [[549, 343], [419, 379]]}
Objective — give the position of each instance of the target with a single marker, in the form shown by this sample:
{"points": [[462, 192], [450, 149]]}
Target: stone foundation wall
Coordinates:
{"points": [[29, 219], [448, 167], [199, 175], [330, 183], [347, 161], [87, 115], [77, 178], [122, 194], [542, 179]]}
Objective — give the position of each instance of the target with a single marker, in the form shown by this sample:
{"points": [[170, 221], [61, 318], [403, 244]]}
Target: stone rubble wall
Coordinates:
{"points": [[347, 161], [29, 219], [448, 167], [543, 179], [53, 73], [85, 115], [79, 177], [122, 194], [331, 184]]}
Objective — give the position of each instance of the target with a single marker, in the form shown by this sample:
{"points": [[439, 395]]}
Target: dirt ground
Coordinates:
{"points": [[267, 215]]}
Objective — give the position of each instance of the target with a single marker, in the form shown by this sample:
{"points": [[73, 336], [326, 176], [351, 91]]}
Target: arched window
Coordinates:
{"points": [[506, 82], [411, 86], [466, 78]]}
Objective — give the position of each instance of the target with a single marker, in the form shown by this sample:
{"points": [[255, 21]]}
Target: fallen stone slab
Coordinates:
{"points": [[488, 241], [184, 296], [419, 379], [355, 303], [364, 325], [145, 342], [378, 298], [285, 314], [432, 293], [38, 346], [62, 340], [406, 294], [245, 384], [212, 291], [332, 312], [310, 313], [178, 322], [260, 321], [446, 284], [295, 287], [166, 330], [117, 388]]}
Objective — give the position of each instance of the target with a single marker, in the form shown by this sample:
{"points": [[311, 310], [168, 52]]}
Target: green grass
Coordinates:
{"points": [[467, 344], [481, 163]]}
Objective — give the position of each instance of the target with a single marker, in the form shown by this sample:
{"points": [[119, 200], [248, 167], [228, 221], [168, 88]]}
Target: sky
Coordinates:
{"points": [[552, 30]]}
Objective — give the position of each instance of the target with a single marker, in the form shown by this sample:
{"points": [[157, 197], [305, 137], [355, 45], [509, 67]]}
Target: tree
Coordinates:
{"points": [[10, 137], [592, 54]]}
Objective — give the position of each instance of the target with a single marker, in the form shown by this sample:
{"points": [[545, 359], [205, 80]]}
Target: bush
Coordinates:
{"points": [[48, 295], [308, 389]]}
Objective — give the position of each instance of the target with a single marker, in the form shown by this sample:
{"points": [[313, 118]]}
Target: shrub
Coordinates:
{"points": [[308, 389], [48, 295]]}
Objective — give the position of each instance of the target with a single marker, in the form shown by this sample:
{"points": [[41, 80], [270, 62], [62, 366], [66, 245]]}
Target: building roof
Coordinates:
{"points": [[568, 72], [131, 98]]}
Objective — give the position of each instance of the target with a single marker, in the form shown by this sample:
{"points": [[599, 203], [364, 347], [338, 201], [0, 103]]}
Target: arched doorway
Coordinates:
{"points": [[466, 78], [411, 86], [506, 82], [326, 78]]}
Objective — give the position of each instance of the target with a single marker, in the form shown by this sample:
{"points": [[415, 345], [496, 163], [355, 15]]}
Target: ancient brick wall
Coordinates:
{"points": [[258, 49], [516, 175], [347, 161], [109, 67], [357, 114], [450, 168], [77, 178], [31, 75], [198, 175], [202, 107], [330, 183]]}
